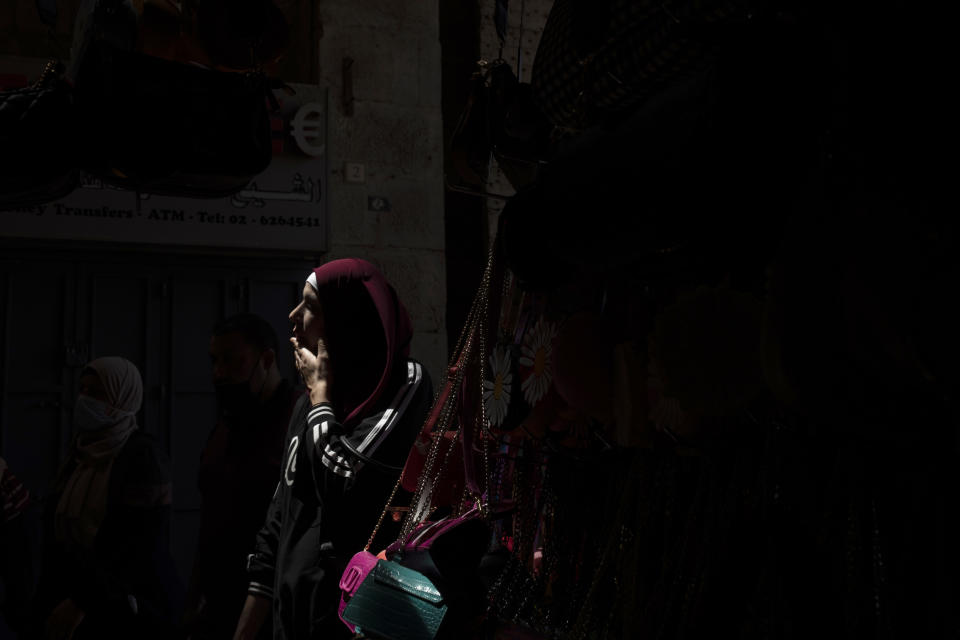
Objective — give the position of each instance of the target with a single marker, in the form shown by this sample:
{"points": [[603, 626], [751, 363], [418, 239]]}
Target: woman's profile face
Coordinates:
{"points": [[307, 319], [92, 386]]}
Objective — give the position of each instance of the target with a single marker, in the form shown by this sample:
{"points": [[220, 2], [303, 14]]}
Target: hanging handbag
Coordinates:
{"points": [[410, 589], [169, 128], [397, 603], [448, 489], [502, 119], [520, 135], [441, 485], [469, 150], [421, 583], [406, 591], [37, 125], [448, 551]]}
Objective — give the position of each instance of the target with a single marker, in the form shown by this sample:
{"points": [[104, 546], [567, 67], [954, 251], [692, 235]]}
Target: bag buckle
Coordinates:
{"points": [[351, 579]]}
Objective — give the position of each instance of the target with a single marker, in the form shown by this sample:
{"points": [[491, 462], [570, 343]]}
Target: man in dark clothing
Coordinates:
{"points": [[347, 440], [238, 470]]}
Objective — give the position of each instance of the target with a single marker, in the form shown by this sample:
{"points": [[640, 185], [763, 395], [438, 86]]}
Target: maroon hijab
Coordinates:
{"points": [[368, 334]]}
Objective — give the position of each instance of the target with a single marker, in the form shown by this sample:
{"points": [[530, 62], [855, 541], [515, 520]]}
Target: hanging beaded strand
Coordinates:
{"points": [[463, 353]]}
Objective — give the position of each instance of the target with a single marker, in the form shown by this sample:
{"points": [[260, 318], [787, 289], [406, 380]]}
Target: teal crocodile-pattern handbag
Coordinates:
{"points": [[397, 603]]}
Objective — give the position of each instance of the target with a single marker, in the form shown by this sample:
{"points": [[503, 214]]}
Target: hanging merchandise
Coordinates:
{"points": [[498, 388], [427, 584], [553, 451], [521, 390], [536, 361], [652, 482], [503, 395], [149, 124], [441, 484], [393, 601], [37, 152], [472, 139], [520, 134], [582, 477], [37, 130], [469, 150], [499, 119], [170, 128]]}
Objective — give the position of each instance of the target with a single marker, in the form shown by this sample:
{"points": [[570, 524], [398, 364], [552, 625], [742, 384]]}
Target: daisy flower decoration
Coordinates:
{"points": [[537, 353], [496, 391]]}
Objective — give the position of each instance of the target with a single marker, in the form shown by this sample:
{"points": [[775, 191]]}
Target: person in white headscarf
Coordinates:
{"points": [[107, 567]]}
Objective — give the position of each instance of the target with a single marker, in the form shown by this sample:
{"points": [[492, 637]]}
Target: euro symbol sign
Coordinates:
{"points": [[307, 129]]}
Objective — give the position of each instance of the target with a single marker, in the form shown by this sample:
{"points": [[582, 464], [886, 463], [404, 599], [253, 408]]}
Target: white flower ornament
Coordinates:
{"points": [[496, 392], [537, 353]]}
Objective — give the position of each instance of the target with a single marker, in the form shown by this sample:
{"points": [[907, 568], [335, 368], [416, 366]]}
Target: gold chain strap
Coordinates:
{"points": [[463, 342], [483, 425], [464, 353], [421, 494], [50, 70], [386, 509]]}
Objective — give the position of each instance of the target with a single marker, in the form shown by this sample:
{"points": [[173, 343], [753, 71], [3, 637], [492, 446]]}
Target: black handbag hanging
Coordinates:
{"points": [[500, 119], [133, 121], [170, 128], [37, 127]]}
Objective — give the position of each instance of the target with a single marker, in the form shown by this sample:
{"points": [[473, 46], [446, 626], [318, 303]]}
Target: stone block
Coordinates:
{"points": [[430, 73], [386, 64], [392, 141], [350, 224], [339, 250], [420, 280], [414, 16], [416, 216], [394, 67]]}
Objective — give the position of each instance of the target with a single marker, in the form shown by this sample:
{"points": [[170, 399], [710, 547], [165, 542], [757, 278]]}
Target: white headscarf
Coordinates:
{"points": [[83, 503]]}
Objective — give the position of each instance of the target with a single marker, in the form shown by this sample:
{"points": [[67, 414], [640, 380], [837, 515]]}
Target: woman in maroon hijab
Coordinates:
{"points": [[348, 438]]}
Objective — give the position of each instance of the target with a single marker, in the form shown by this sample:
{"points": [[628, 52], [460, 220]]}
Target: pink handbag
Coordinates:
{"points": [[447, 551], [357, 569], [426, 533]]}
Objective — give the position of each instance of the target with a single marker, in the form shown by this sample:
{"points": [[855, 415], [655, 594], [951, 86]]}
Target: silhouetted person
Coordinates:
{"points": [[238, 470], [107, 569], [366, 402]]}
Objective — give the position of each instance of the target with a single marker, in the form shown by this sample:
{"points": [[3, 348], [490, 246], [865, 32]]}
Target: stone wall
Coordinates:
{"points": [[395, 131]]}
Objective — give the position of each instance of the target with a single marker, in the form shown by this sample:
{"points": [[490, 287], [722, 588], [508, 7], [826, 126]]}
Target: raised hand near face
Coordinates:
{"points": [[314, 368]]}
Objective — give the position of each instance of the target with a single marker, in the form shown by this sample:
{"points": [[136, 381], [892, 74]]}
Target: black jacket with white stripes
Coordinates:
{"points": [[333, 487]]}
